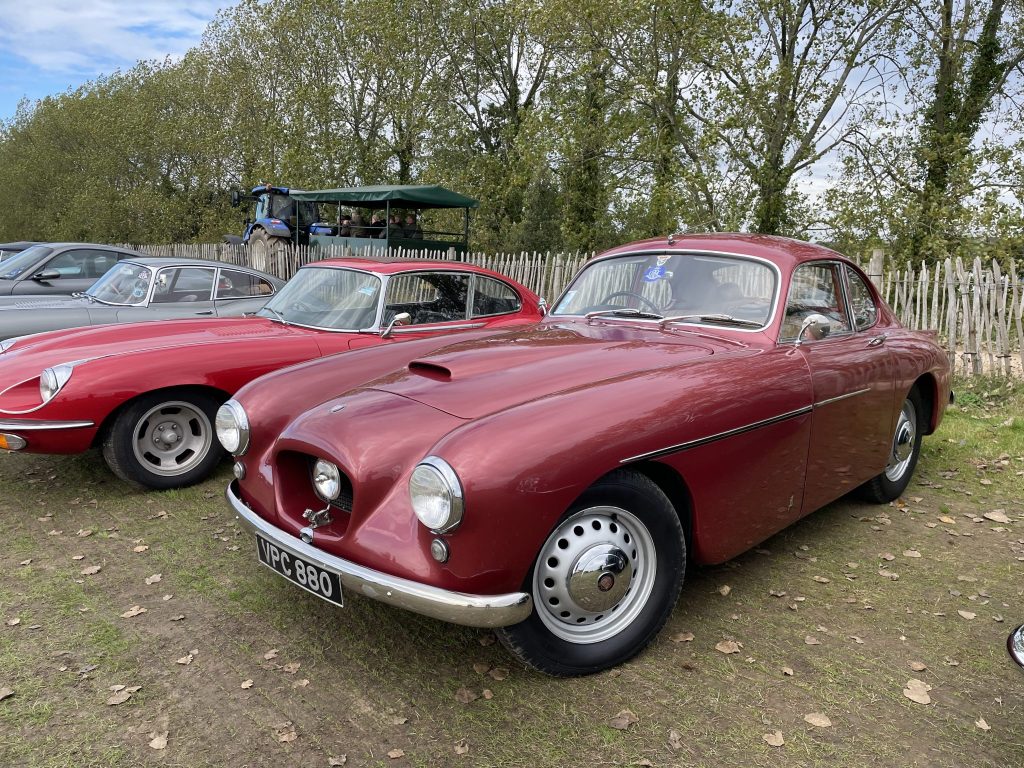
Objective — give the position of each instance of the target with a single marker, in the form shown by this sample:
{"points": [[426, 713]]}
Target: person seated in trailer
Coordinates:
{"points": [[345, 227], [358, 226], [395, 226], [412, 229], [377, 227]]}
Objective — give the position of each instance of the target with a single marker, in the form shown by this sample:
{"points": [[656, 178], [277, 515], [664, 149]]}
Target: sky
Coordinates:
{"points": [[48, 46]]}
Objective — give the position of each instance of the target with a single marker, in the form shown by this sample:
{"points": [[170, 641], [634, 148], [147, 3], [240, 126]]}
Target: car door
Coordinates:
{"points": [[78, 268], [852, 380], [177, 292], [436, 302], [238, 292]]}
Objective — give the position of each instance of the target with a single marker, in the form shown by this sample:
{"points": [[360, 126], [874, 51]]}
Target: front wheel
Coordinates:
{"points": [[164, 440], [903, 454], [604, 581]]}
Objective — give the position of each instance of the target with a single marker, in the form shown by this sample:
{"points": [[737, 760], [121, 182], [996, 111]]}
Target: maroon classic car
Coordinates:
{"points": [[147, 393], [684, 400]]}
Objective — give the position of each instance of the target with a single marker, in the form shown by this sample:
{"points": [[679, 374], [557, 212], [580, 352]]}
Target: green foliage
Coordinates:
{"points": [[578, 124]]}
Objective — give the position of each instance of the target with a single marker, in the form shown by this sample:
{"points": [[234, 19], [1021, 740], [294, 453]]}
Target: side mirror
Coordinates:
{"points": [[46, 275], [542, 305], [236, 198], [814, 328], [402, 318]]}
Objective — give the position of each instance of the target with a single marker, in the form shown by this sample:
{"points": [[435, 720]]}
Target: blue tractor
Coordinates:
{"points": [[279, 222]]}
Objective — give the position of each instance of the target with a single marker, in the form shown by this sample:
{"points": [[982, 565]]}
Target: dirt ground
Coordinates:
{"points": [[224, 664]]}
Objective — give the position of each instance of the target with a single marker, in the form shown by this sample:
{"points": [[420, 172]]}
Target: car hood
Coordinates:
{"points": [[108, 340], [475, 378]]}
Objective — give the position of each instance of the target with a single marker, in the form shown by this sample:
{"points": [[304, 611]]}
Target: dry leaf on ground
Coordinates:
{"points": [[787, 671], [917, 691], [271, 654], [980, 722], [6, 693], [13, 622], [461, 747], [292, 667], [247, 684], [498, 673], [156, 577], [728, 646], [811, 640], [91, 570], [675, 739], [967, 615], [911, 553], [996, 516], [119, 698], [623, 720], [186, 660], [334, 762], [774, 739], [822, 580], [159, 740], [481, 668], [724, 590], [394, 754], [682, 637], [140, 548], [285, 732], [466, 696], [135, 610], [917, 666], [818, 720]]}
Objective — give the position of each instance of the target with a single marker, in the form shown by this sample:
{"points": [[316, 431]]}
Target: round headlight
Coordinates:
{"points": [[326, 480], [436, 495], [232, 427], [53, 379]]}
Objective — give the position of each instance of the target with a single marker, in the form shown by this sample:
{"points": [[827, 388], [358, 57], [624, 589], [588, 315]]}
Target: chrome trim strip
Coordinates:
{"points": [[32, 425], [398, 330], [454, 607], [718, 436], [842, 397]]}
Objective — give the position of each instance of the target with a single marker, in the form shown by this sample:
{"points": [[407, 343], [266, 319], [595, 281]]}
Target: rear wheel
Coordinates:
{"points": [[164, 440], [604, 581], [903, 453], [265, 252]]}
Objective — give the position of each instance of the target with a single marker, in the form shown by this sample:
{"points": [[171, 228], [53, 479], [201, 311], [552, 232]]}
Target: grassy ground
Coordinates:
{"points": [[372, 680]]}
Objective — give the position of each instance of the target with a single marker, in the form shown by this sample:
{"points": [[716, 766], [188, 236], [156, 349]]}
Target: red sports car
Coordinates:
{"points": [[147, 393], [684, 400]]}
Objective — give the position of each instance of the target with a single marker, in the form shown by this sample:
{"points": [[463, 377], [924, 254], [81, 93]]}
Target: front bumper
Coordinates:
{"points": [[11, 440], [454, 607]]}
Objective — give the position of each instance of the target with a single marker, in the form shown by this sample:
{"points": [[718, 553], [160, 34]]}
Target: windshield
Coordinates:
{"points": [[326, 297], [674, 285], [126, 283], [13, 266]]}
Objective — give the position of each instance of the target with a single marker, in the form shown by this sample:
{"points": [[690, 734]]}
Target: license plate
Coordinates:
{"points": [[312, 578]]}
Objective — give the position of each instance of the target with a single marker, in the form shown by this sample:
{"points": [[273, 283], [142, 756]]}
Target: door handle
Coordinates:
{"points": [[878, 341], [205, 312]]}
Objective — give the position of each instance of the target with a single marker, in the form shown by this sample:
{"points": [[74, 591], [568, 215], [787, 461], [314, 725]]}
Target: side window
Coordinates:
{"points": [[69, 263], [815, 289], [428, 297], [233, 284], [493, 297], [183, 284], [862, 303]]}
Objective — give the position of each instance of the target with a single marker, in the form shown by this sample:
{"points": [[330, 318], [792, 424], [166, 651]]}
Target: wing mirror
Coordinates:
{"points": [[542, 305], [46, 275], [814, 328], [402, 318], [236, 198]]}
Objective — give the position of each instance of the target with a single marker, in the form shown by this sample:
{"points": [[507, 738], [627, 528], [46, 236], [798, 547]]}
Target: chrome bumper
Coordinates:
{"points": [[454, 607], [37, 425]]}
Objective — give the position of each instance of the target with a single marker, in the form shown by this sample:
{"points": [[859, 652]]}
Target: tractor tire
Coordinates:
{"points": [[267, 252]]}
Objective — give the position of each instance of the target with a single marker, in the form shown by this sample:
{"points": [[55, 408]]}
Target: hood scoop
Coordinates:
{"points": [[432, 371]]}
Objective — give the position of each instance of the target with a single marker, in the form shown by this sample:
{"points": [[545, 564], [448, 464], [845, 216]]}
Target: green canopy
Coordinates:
{"points": [[401, 196]]}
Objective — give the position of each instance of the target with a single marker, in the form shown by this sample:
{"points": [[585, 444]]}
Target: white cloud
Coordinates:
{"points": [[90, 37]]}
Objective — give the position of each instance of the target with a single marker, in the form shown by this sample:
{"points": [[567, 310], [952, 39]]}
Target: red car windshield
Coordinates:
{"points": [[327, 297]]}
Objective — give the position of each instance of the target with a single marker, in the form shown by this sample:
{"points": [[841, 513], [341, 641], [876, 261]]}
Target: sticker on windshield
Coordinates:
{"points": [[368, 290], [663, 260], [654, 274]]}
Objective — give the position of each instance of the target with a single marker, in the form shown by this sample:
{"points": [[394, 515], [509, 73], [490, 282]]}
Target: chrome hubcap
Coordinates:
{"points": [[172, 438], [902, 443], [594, 574]]}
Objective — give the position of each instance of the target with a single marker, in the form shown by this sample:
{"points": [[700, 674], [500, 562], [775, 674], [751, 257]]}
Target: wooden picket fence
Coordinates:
{"points": [[977, 308]]}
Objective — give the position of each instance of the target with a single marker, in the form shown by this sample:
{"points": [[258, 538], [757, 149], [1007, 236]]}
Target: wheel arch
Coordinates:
{"points": [[672, 484], [108, 421], [927, 386]]}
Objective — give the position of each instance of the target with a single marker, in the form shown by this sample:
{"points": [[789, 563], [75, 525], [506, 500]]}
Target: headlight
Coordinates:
{"points": [[326, 480], [52, 380], [232, 427], [436, 495]]}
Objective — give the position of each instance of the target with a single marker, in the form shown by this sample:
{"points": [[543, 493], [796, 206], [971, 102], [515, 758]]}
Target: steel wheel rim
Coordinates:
{"points": [[587, 535], [903, 441], [172, 438]]}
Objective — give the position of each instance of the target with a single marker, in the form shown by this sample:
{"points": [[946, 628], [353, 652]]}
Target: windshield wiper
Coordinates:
{"points": [[716, 317], [279, 315], [623, 312]]}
